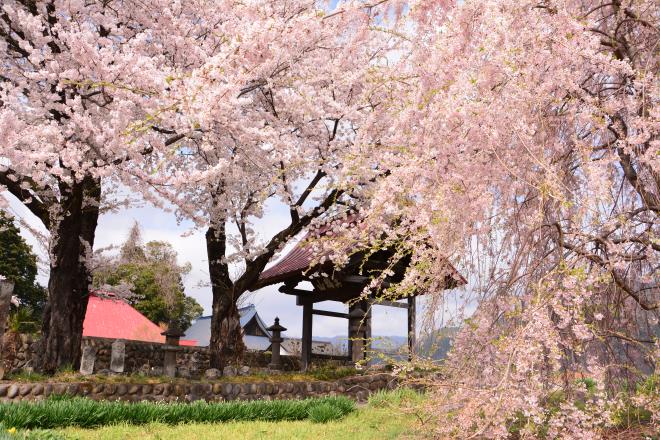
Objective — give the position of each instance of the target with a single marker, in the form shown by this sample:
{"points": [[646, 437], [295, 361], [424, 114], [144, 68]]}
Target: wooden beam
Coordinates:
{"points": [[411, 326], [378, 302], [361, 279], [358, 279], [332, 357], [306, 352], [329, 313], [294, 291]]}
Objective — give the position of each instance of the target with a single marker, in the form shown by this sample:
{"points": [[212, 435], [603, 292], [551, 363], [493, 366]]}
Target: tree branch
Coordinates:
{"points": [[15, 184]]}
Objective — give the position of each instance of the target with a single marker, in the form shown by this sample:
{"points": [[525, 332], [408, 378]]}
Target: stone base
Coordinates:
{"points": [[357, 387]]}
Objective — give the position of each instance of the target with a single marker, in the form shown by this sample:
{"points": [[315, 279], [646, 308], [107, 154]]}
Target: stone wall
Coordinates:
{"points": [[18, 350], [357, 387], [148, 357], [141, 357]]}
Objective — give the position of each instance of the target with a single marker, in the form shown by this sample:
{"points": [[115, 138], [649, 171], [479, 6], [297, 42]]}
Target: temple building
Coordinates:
{"points": [[345, 285]]}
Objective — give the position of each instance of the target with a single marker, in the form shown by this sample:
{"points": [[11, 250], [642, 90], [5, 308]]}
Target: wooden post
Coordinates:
{"points": [[411, 326], [357, 332], [306, 352]]}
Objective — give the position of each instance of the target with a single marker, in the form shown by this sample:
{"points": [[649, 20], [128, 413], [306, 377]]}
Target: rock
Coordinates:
{"points": [[110, 389], [229, 371], [12, 391], [179, 390], [133, 389], [59, 389], [72, 389], [183, 372], [87, 361], [226, 389], [200, 390], [122, 389], [117, 356], [37, 390], [217, 388], [212, 374], [244, 370], [3, 390]]}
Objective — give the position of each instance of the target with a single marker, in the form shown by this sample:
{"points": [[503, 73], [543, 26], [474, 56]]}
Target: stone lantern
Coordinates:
{"points": [[172, 339], [275, 340]]}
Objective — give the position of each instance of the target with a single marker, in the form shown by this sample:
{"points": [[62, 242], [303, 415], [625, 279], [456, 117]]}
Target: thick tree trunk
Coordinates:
{"points": [[72, 242], [226, 344]]}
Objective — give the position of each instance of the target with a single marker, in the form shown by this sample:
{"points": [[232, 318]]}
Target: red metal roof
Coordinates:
{"points": [[109, 317], [301, 256], [292, 263]]}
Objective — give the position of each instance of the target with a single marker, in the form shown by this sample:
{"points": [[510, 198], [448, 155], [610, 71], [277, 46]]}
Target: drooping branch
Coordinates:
{"points": [[605, 264]]}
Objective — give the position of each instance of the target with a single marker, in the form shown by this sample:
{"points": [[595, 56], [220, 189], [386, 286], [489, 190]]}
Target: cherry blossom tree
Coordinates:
{"points": [[272, 114], [521, 141], [78, 81]]}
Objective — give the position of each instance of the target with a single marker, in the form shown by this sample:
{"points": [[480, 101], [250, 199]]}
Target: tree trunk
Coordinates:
{"points": [[72, 242], [226, 345]]}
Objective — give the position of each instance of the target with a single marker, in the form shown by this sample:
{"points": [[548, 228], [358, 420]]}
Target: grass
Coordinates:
{"points": [[382, 418], [86, 413]]}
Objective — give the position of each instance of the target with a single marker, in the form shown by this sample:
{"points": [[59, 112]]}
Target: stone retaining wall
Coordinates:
{"points": [[141, 357], [357, 387]]}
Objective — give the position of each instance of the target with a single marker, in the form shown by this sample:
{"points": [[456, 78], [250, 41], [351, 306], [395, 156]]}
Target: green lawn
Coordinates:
{"points": [[382, 418]]}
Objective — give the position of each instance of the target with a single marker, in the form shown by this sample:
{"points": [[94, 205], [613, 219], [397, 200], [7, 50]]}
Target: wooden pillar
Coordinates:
{"points": [[306, 351], [356, 331], [411, 326]]}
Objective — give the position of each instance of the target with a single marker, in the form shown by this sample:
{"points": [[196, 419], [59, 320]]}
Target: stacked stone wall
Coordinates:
{"points": [[143, 357], [356, 387]]}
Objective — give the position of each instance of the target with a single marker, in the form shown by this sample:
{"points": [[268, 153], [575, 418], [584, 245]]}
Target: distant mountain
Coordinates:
{"points": [[435, 345]]}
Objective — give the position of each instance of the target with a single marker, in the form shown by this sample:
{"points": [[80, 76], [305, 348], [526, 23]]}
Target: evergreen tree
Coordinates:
{"points": [[156, 279], [18, 263]]}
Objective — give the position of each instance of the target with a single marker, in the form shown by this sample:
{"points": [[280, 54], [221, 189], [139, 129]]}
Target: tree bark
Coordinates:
{"points": [[226, 345], [72, 242]]}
